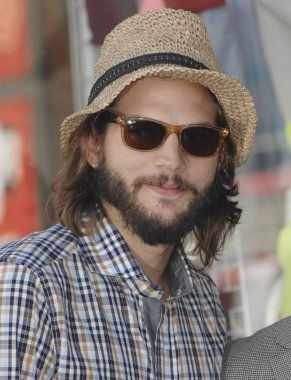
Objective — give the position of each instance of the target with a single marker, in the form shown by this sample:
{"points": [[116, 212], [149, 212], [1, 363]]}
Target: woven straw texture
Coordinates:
{"points": [[170, 31]]}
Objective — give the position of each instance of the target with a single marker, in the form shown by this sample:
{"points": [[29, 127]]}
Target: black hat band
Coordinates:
{"points": [[135, 63]]}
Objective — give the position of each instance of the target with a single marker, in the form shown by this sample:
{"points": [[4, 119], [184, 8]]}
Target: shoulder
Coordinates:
{"points": [[252, 354], [262, 340], [205, 288], [39, 249], [198, 272]]}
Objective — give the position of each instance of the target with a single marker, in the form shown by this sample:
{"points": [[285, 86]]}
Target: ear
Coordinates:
{"points": [[94, 152]]}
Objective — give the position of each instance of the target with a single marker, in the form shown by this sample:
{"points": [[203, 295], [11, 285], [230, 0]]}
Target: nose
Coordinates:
{"points": [[170, 156]]}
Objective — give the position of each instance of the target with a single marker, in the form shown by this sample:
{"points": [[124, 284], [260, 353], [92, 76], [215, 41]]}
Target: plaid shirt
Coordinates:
{"points": [[74, 308]]}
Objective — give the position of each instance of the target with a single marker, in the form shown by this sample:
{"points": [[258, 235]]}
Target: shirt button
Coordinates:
{"points": [[155, 294]]}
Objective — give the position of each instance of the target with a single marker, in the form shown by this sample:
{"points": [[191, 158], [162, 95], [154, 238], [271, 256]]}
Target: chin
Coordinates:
{"points": [[165, 216]]}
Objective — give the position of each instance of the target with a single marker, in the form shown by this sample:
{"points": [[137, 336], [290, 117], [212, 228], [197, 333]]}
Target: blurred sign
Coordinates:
{"points": [[103, 16], [194, 6], [14, 39], [18, 176]]}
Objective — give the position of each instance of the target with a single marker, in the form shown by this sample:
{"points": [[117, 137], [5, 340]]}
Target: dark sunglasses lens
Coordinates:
{"points": [[143, 134], [200, 141]]}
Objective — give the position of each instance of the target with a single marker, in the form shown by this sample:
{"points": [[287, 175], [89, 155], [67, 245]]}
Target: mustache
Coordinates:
{"points": [[163, 179]]}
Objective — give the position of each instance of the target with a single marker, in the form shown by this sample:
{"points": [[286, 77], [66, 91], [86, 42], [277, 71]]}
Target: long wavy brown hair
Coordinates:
{"points": [[72, 196]]}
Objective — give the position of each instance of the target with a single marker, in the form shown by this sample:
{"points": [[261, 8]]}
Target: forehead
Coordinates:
{"points": [[159, 84], [179, 100]]}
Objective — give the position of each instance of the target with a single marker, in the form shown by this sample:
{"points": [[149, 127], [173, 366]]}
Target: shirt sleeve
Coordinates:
{"points": [[27, 349]]}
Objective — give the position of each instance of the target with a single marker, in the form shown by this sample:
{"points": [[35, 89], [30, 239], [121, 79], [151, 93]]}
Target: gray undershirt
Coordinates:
{"points": [[179, 285], [152, 314]]}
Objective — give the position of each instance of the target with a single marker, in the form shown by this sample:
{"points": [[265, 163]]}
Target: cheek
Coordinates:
{"points": [[120, 158], [112, 144], [202, 172]]}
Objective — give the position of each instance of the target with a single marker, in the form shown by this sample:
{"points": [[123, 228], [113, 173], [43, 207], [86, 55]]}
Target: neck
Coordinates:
{"points": [[152, 260]]}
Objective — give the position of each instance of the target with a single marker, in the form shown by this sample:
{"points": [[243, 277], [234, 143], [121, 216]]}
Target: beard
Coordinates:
{"points": [[109, 187]]}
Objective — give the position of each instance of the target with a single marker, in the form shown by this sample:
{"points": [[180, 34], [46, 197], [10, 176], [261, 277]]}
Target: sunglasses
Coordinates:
{"points": [[143, 134]]}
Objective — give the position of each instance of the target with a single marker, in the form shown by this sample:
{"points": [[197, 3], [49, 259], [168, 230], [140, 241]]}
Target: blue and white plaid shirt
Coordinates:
{"points": [[81, 308]]}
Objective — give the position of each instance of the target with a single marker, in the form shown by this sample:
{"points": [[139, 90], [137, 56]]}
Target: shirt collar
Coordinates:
{"points": [[106, 252]]}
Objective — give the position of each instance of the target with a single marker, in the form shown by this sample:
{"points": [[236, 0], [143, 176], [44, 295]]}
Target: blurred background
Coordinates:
{"points": [[47, 52]]}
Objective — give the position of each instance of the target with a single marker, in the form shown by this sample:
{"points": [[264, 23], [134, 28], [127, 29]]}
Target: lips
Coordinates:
{"points": [[166, 189], [168, 186]]}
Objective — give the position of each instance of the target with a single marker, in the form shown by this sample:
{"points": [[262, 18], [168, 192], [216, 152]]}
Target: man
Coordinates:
{"points": [[108, 293], [265, 355]]}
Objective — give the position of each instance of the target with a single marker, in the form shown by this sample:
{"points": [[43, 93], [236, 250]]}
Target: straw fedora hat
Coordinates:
{"points": [[166, 43]]}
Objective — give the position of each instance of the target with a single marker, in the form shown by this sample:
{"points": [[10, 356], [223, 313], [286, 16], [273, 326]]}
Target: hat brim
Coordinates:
{"points": [[234, 99]]}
